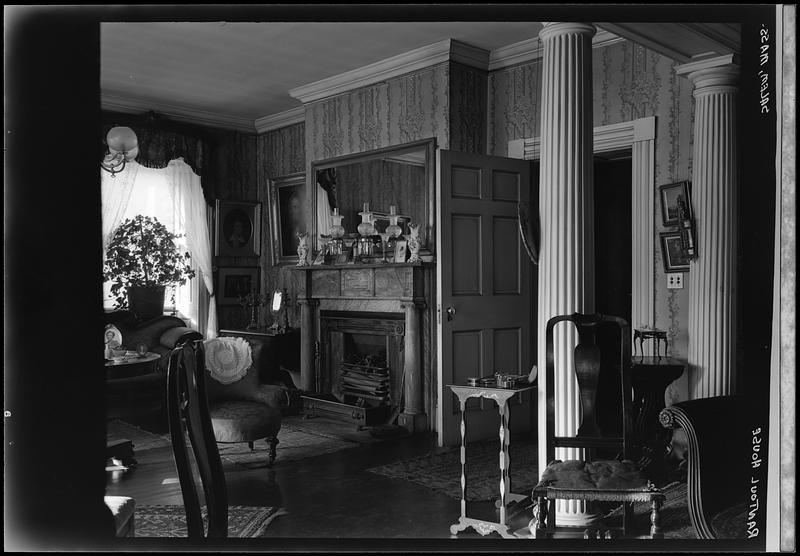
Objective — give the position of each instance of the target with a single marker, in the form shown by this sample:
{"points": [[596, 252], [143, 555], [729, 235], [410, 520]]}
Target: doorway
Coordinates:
{"points": [[612, 234], [613, 261]]}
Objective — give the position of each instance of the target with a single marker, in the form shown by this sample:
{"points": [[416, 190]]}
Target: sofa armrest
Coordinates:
{"points": [[720, 442], [177, 335]]}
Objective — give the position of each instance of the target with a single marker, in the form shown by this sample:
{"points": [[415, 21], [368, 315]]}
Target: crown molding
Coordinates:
{"points": [[281, 119], [531, 49], [413, 60], [707, 63], [120, 103]]}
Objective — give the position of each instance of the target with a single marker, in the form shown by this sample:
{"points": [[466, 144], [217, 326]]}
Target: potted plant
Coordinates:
{"points": [[141, 260]]}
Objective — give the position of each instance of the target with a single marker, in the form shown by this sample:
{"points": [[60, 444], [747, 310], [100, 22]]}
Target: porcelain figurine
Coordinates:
{"points": [[302, 248]]}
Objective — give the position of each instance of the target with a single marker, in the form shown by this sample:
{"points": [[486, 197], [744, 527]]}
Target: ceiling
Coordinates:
{"points": [[232, 74]]}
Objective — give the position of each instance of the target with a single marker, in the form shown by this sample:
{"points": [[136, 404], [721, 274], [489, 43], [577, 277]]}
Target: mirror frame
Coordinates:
{"points": [[430, 182]]}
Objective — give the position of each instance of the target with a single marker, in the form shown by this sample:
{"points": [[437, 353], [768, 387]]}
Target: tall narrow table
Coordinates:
{"points": [[501, 396]]}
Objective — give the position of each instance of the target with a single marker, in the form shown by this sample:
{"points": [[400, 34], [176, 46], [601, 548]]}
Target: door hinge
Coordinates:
{"points": [[439, 313]]}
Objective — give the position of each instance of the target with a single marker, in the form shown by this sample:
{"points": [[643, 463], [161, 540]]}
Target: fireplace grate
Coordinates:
{"points": [[365, 382]]}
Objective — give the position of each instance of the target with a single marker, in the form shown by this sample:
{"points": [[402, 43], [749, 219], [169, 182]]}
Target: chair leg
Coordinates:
{"points": [[273, 445], [655, 520], [627, 518]]}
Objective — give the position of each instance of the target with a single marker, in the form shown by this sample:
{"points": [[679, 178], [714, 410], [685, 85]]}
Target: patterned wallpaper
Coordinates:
{"points": [[630, 82], [408, 108], [468, 96]]}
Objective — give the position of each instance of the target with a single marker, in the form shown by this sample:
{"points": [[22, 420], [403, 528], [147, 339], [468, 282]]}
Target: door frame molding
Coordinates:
{"points": [[639, 136]]}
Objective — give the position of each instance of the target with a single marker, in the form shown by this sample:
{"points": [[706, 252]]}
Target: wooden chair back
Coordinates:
{"points": [[188, 412], [588, 363]]}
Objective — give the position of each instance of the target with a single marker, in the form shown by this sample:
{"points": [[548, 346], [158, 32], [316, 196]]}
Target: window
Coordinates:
{"points": [[162, 194]]}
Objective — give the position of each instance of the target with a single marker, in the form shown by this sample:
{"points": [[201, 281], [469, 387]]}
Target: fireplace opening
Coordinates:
{"points": [[360, 367]]}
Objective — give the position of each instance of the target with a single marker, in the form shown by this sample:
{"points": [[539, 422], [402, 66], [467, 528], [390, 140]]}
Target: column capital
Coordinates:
{"points": [[712, 75], [554, 28]]}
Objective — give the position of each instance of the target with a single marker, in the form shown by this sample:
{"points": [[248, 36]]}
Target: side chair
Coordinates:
{"points": [[188, 413], [596, 477]]}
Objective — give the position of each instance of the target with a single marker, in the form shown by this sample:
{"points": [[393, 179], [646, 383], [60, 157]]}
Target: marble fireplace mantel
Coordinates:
{"points": [[375, 287]]}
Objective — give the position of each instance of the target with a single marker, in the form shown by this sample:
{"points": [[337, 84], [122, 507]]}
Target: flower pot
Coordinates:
{"points": [[146, 302]]}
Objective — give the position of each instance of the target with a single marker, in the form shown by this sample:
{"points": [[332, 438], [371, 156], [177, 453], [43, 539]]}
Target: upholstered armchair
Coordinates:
{"points": [[242, 408]]}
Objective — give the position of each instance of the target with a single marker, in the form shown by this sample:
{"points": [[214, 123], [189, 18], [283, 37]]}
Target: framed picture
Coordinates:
{"points": [[287, 210], [400, 247], [676, 197], [238, 229], [675, 257], [236, 281]]}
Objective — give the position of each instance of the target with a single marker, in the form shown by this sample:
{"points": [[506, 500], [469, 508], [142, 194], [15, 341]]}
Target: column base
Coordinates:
{"points": [[588, 517], [413, 422]]}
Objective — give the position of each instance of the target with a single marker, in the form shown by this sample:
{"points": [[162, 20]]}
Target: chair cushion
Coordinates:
{"points": [[600, 474], [244, 421], [228, 359], [122, 508]]}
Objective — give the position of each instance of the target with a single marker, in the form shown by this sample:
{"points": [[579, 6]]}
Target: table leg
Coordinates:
{"points": [[502, 408], [461, 525]]}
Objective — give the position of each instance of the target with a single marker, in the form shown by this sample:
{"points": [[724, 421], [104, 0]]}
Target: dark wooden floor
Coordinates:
{"points": [[331, 496]]}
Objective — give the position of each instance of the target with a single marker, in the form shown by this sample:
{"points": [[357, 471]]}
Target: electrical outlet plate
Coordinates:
{"points": [[675, 280]]}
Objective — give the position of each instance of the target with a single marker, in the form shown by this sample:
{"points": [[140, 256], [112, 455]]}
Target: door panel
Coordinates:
{"points": [[483, 276]]}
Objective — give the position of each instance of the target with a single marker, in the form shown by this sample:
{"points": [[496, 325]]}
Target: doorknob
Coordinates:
{"points": [[451, 313]]}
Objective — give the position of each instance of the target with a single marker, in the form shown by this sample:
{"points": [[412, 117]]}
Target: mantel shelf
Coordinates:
{"points": [[362, 265]]}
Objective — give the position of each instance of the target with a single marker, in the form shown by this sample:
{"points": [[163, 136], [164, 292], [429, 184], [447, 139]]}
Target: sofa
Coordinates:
{"points": [[720, 440], [137, 396]]}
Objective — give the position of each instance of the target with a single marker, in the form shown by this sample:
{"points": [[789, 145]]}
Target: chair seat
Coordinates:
{"points": [[608, 476], [244, 421]]}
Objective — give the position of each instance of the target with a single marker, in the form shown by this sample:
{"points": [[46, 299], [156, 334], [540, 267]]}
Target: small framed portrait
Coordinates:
{"points": [[676, 202], [238, 229], [287, 209], [400, 249], [675, 257], [236, 281]]}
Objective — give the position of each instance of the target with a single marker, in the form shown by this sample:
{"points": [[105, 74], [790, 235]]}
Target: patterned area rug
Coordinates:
{"points": [[170, 521], [442, 471], [675, 520], [296, 441], [141, 439]]}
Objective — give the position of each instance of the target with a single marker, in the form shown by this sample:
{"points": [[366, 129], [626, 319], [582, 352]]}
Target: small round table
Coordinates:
{"points": [[134, 365]]}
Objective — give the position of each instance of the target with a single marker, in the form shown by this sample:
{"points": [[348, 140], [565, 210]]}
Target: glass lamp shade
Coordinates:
{"points": [[367, 227], [337, 230], [122, 140]]}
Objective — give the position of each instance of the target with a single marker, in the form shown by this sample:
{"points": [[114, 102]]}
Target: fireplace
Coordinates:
{"points": [[364, 336], [360, 375]]}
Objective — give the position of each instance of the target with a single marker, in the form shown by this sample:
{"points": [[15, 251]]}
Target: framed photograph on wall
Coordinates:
{"points": [[673, 253], [287, 211], [674, 197], [237, 229], [236, 281]]}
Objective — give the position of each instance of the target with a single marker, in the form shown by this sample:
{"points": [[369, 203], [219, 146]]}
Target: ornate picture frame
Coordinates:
{"points": [[287, 216], [672, 195], [235, 281], [675, 257], [237, 229]]}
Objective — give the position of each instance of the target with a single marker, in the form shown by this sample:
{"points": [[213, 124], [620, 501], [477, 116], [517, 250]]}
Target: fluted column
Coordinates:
{"points": [[566, 264], [712, 275]]}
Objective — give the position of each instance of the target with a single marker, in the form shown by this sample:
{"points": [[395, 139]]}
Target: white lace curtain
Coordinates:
{"points": [[174, 196]]}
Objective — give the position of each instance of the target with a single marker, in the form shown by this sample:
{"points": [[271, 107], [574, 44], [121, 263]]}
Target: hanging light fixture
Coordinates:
{"points": [[122, 148]]}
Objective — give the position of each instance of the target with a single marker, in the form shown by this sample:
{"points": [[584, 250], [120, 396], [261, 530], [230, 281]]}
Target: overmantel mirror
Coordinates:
{"points": [[399, 179]]}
